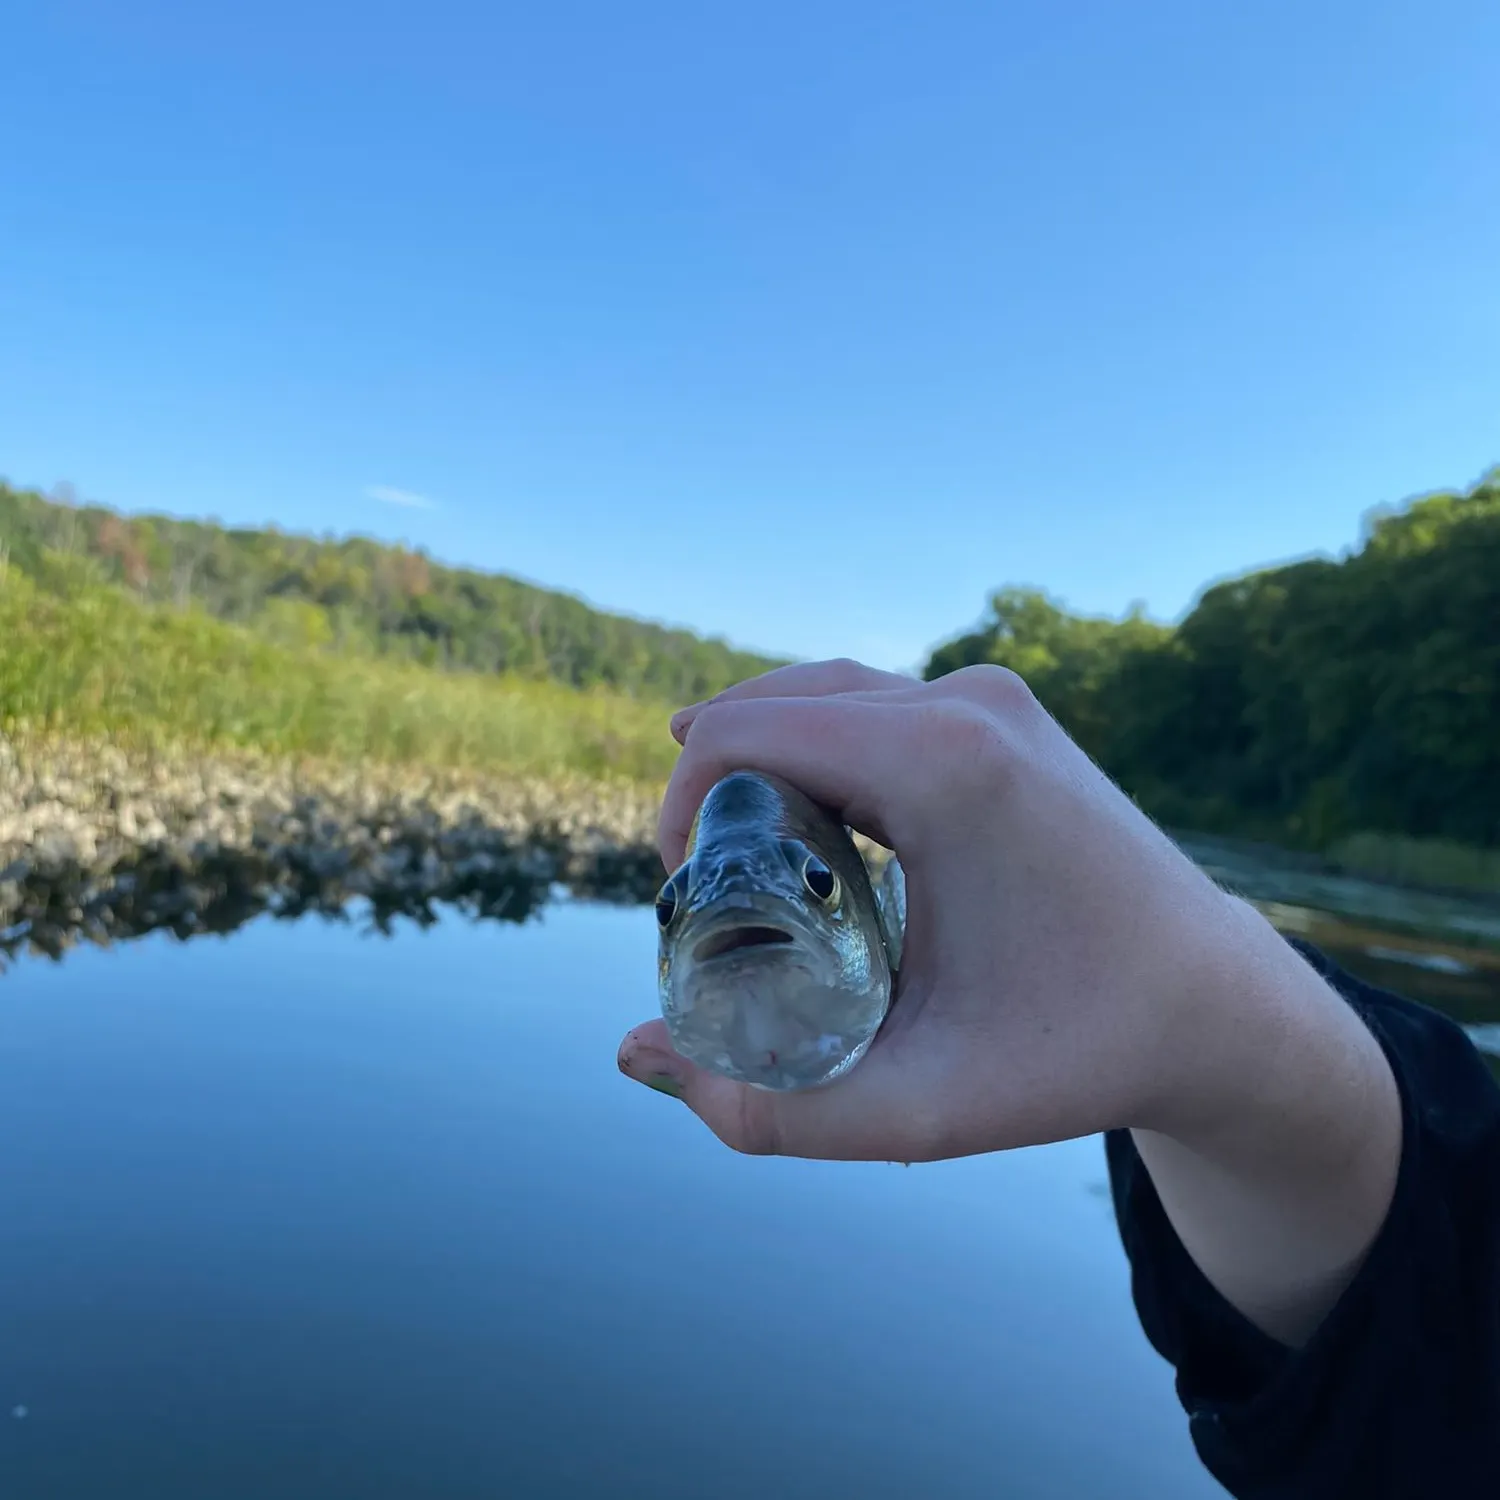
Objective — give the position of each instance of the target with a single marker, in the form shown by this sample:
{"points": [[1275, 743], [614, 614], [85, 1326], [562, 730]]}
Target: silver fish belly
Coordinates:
{"points": [[777, 957]]}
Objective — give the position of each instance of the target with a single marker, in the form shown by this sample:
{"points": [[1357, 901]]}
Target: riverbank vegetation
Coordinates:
{"points": [[358, 597], [1350, 707], [98, 664]]}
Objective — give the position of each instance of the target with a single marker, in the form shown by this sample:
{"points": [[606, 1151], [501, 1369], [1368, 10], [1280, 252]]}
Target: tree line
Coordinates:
{"points": [[1301, 703], [357, 595]]}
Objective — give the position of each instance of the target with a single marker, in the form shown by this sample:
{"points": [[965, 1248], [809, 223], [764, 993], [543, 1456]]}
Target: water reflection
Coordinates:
{"points": [[1461, 981], [302, 1214], [224, 889], [1441, 950]]}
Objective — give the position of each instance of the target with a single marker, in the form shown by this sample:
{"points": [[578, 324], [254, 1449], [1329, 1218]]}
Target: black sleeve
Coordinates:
{"points": [[1397, 1394]]}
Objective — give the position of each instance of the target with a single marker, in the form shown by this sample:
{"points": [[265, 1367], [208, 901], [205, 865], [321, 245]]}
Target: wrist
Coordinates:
{"points": [[1275, 1137], [1253, 1038]]}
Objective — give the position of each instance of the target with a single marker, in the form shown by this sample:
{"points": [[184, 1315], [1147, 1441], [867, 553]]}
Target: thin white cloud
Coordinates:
{"points": [[404, 498]]}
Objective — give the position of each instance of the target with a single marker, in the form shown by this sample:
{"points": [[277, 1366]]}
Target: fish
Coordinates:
{"points": [[778, 955]]}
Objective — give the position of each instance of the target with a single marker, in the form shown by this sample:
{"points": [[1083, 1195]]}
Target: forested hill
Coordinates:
{"points": [[1302, 703], [1305, 702], [361, 596]]}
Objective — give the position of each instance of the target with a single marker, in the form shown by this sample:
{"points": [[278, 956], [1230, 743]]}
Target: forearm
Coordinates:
{"points": [[1275, 1141]]}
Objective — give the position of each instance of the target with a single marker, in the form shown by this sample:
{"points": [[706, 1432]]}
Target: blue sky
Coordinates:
{"points": [[804, 324]]}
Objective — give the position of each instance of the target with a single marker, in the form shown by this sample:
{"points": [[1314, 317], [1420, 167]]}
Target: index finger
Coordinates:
{"points": [[847, 751], [803, 679]]}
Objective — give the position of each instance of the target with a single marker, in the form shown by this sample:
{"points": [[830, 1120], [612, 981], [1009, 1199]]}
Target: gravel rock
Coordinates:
{"points": [[99, 843]]}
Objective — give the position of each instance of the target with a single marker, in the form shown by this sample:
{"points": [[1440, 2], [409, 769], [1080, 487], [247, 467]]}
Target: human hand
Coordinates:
{"points": [[1057, 942]]}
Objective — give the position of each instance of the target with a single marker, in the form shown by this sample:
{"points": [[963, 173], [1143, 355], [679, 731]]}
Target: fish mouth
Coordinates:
{"points": [[736, 937]]}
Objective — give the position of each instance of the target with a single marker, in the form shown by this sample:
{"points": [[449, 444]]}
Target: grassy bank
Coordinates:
{"points": [[102, 665], [1392, 858], [1430, 863]]}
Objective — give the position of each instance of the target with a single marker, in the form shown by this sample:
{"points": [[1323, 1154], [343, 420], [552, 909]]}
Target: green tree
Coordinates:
{"points": [[1311, 701]]}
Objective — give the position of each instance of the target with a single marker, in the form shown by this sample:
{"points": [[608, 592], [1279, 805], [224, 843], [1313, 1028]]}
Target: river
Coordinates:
{"points": [[312, 1210]]}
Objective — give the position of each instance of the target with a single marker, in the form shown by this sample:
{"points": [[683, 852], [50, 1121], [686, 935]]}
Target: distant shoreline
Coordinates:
{"points": [[99, 843]]}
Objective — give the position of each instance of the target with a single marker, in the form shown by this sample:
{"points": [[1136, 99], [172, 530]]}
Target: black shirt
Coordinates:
{"points": [[1397, 1394]]}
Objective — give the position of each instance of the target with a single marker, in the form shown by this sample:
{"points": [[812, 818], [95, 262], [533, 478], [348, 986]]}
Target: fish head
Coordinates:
{"points": [[771, 958]]}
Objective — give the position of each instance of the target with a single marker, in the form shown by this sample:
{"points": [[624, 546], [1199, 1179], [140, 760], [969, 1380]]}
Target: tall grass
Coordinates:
{"points": [[1418, 862], [102, 664]]}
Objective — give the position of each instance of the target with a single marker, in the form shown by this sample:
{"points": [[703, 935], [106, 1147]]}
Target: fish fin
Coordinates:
{"points": [[890, 905]]}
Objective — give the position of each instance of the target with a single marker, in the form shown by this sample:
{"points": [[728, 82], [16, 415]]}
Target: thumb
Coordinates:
{"points": [[742, 1117], [860, 1117]]}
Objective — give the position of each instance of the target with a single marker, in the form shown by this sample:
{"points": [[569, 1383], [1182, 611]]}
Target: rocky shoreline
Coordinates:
{"points": [[99, 843]]}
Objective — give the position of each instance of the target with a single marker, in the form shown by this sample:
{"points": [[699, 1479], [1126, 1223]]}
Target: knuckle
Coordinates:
{"points": [[983, 729], [845, 670], [1000, 687], [975, 742], [969, 758]]}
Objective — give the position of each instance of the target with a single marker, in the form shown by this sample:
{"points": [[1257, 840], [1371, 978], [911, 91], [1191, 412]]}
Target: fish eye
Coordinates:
{"points": [[819, 879], [666, 904]]}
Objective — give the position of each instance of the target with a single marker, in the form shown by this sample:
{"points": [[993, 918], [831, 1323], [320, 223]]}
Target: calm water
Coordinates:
{"points": [[305, 1212]]}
